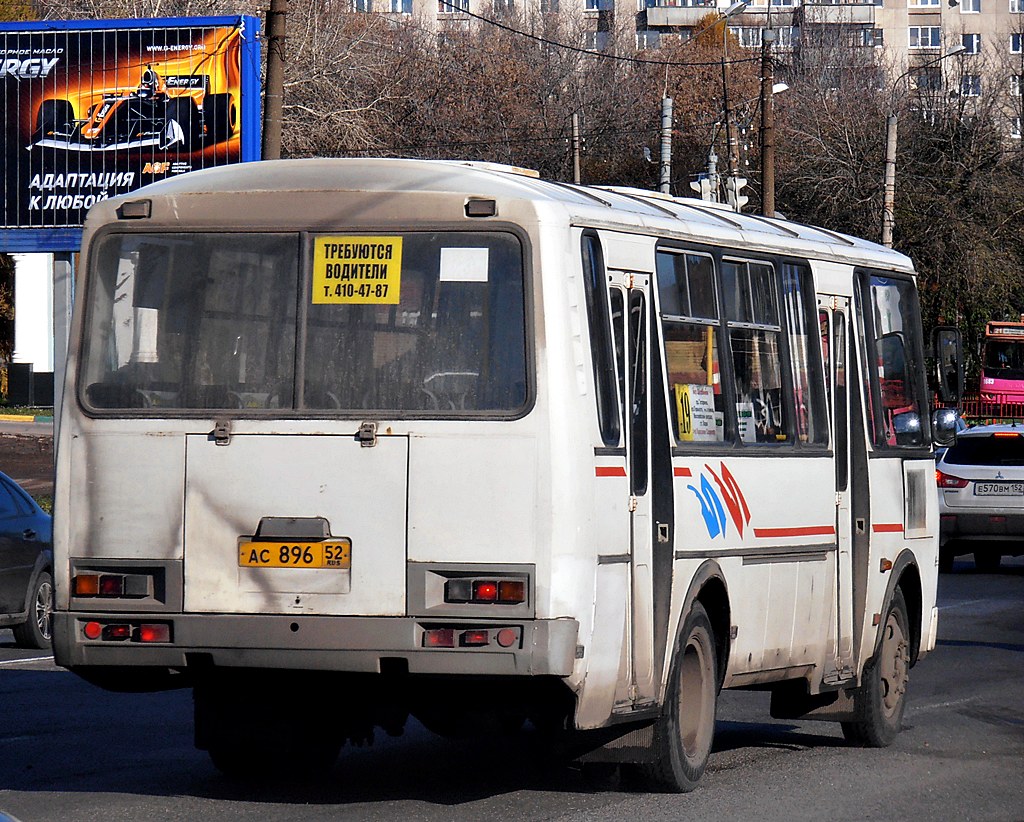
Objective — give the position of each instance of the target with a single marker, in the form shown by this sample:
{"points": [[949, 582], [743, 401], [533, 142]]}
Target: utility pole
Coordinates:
{"points": [[767, 122], [665, 176], [889, 201], [273, 96], [576, 148]]}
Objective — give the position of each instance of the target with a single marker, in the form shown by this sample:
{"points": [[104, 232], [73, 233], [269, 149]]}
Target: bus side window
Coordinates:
{"points": [[594, 281], [755, 336], [894, 379], [690, 326], [805, 368]]}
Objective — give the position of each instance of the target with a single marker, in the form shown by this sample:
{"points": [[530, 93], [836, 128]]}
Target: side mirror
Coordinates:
{"points": [[947, 348], [945, 422]]}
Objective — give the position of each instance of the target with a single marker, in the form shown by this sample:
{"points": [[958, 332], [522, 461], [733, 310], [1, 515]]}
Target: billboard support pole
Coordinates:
{"points": [[273, 98]]}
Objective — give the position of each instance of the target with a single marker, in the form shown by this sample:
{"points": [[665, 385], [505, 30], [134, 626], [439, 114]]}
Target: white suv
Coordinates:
{"points": [[981, 496]]}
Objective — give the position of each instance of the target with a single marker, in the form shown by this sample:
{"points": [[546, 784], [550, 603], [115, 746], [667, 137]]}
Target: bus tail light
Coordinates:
{"points": [[141, 632], [949, 481], [475, 638], [439, 638], [489, 591], [131, 586]]}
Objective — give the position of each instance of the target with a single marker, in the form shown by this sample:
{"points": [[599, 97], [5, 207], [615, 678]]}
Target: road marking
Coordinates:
{"points": [[965, 603], [29, 659], [949, 704]]}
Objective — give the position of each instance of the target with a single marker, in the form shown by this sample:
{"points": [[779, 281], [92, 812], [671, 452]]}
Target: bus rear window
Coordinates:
{"points": [[249, 322]]}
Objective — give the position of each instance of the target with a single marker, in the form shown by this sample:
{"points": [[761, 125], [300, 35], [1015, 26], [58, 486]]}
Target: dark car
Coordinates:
{"points": [[26, 566], [981, 496]]}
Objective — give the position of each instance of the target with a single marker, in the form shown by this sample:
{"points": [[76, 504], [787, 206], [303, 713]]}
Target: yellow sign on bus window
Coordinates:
{"points": [[357, 270]]}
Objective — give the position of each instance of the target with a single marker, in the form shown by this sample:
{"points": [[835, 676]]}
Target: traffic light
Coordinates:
{"points": [[733, 187], [702, 185]]}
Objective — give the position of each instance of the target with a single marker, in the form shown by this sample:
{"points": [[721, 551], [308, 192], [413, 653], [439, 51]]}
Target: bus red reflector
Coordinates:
{"points": [[507, 637], [158, 632], [485, 591], [92, 630], [111, 585], [439, 638], [475, 638], [117, 631]]}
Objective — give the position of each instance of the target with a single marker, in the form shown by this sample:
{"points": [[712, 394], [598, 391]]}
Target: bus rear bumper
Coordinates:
{"points": [[349, 644]]}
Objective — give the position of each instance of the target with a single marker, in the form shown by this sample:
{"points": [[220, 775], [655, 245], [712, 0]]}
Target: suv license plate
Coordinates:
{"points": [[331, 554], [998, 489]]}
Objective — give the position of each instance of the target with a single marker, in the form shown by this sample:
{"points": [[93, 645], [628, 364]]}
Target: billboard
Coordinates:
{"points": [[95, 109]]}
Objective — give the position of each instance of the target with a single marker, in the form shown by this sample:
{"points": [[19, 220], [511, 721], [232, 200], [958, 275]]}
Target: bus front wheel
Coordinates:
{"points": [[879, 702], [685, 731]]}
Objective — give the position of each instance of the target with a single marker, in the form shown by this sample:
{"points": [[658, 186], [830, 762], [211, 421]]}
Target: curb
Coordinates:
{"points": [[24, 418]]}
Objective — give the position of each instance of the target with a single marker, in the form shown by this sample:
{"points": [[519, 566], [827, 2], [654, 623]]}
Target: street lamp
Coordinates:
{"points": [[736, 8], [889, 180]]}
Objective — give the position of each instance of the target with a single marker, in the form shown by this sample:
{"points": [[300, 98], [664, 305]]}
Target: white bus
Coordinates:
{"points": [[346, 441]]}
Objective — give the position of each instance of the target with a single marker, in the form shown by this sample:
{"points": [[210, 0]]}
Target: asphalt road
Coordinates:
{"points": [[71, 752]]}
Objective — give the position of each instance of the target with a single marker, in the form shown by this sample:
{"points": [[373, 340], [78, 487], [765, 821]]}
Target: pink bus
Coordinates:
{"points": [[1002, 362]]}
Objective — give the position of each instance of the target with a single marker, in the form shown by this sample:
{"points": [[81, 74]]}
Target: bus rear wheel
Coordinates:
{"points": [[879, 703], [684, 733]]}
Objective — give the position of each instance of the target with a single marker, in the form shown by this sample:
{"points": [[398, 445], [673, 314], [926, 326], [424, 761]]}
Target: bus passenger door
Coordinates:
{"points": [[629, 295], [833, 319]]}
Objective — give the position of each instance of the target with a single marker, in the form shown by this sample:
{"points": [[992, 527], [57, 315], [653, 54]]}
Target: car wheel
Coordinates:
{"points": [[37, 631], [686, 729], [879, 702], [181, 124], [54, 115], [987, 562], [220, 115]]}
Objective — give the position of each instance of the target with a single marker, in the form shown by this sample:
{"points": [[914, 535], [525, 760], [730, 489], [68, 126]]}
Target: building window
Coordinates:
{"points": [[783, 2], [921, 3], [972, 42], [1016, 6], [401, 6], [362, 5], [1016, 84], [970, 6], [596, 41], [749, 36], [1015, 128], [1015, 41], [872, 37], [648, 39], [786, 36], [926, 37], [930, 79], [970, 85], [452, 6]]}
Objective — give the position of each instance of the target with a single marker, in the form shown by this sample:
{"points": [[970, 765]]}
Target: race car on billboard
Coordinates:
{"points": [[172, 112]]}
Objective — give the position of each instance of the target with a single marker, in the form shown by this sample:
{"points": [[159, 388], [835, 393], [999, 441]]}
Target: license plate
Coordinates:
{"points": [[998, 489], [328, 554]]}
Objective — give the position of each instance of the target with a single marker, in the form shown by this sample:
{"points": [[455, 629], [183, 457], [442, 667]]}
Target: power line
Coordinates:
{"points": [[589, 52]]}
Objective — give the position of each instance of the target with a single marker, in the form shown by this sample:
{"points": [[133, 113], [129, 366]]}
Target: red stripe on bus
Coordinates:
{"points": [[610, 471], [801, 531], [682, 472], [887, 527]]}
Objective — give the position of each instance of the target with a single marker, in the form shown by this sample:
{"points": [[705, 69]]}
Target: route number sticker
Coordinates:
{"points": [[357, 270]]}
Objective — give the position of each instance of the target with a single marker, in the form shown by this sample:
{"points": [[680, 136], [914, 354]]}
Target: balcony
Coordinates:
{"points": [[679, 13], [839, 14]]}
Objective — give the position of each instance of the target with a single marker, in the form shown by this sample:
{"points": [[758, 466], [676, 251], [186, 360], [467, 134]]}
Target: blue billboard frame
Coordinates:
{"points": [[69, 239]]}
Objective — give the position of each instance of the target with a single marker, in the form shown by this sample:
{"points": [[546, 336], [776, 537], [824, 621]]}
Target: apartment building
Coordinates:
{"points": [[905, 36]]}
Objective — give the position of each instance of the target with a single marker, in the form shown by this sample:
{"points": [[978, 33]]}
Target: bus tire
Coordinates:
{"points": [[879, 703], [684, 733]]}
